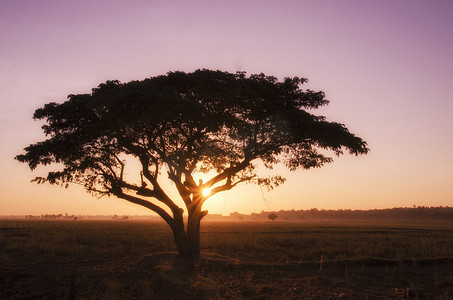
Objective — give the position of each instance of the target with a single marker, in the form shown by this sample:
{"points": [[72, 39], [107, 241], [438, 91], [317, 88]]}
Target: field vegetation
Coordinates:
{"points": [[137, 259]]}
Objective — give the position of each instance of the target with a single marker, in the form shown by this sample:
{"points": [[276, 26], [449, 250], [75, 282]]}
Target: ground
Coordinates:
{"points": [[269, 260]]}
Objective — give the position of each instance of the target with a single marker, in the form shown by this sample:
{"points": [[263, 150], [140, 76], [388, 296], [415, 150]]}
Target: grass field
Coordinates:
{"points": [[240, 260]]}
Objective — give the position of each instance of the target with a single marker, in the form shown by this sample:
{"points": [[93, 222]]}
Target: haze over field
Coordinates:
{"points": [[385, 66]]}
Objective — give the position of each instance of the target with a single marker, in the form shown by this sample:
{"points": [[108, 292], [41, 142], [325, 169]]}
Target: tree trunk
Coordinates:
{"points": [[188, 243]]}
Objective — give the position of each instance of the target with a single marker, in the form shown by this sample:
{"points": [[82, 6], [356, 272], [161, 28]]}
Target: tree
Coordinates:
{"points": [[272, 216], [179, 125]]}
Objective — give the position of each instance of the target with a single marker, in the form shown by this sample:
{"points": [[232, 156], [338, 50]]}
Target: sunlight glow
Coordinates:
{"points": [[206, 192]]}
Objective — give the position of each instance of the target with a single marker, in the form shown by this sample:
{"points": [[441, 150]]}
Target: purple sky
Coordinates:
{"points": [[386, 66]]}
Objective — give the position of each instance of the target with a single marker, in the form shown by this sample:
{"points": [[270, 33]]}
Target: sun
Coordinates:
{"points": [[206, 192]]}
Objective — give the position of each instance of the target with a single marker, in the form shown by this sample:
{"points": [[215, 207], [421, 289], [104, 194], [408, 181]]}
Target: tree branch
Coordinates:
{"points": [[229, 185], [157, 209], [183, 191], [228, 172], [159, 193]]}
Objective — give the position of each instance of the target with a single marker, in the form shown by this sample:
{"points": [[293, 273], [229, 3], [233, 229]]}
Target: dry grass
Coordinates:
{"points": [[136, 259]]}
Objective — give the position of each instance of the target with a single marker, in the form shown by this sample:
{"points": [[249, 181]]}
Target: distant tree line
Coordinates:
{"points": [[52, 216], [403, 213], [73, 217], [416, 212]]}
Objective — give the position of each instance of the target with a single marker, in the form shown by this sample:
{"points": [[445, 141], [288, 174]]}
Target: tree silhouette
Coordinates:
{"points": [[182, 124], [272, 216]]}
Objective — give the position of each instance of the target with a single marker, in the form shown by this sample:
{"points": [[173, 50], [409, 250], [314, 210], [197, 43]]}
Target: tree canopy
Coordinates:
{"points": [[178, 124]]}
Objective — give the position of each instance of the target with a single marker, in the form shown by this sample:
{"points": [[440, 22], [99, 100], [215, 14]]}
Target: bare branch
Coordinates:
{"points": [[146, 204], [229, 185], [227, 172], [158, 192], [183, 191]]}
